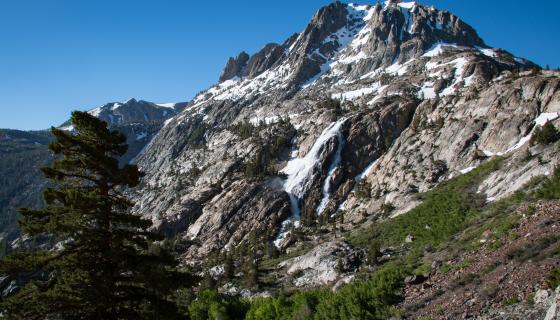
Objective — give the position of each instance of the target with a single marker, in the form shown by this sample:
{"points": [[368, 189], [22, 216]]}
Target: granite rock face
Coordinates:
{"points": [[422, 97], [322, 265]]}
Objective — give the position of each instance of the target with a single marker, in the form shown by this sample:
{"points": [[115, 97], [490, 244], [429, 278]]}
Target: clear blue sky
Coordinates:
{"points": [[61, 55]]}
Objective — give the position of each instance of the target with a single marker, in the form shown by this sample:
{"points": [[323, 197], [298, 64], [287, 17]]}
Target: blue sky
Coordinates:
{"points": [[62, 55]]}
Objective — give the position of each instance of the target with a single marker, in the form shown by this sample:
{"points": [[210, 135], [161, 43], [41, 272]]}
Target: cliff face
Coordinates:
{"points": [[423, 99]]}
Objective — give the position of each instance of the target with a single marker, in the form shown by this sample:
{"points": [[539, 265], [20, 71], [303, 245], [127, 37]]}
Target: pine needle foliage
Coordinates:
{"points": [[105, 264]]}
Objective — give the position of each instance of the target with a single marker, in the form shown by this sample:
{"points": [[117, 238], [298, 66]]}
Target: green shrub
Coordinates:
{"points": [[550, 188], [330, 104], [387, 208], [301, 305], [442, 214], [370, 299], [553, 280], [511, 301], [244, 130], [545, 135], [211, 305], [373, 252], [363, 190], [445, 211]]}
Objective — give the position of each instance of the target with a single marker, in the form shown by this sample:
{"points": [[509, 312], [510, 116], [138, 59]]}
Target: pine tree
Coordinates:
{"points": [[208, 281], [545, 135], [251, 273], [229, 267], [271, 250], [106, 265]]}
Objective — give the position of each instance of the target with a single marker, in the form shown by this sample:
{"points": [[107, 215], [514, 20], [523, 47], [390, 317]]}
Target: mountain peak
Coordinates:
{"points": [[394, 31], [135, 111]]}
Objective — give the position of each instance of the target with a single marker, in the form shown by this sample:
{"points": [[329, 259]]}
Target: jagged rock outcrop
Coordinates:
{"points": [[462, 137], [401, 32], [241, 206], [235, 67], [263, 60]]}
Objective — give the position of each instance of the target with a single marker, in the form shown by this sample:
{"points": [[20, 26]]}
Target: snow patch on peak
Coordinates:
{"points": [[352, 95], [520, 60], [95, 112], [359, 7], [348, 37], [543, 118], [406, 5], [116, 105], [467, 170], [540, 121], [67, 128], [459, 65], [488, 52], [398, 69], [170, 105], [427, 91], [438, 49]]}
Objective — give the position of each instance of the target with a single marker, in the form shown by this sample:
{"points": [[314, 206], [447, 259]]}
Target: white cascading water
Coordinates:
{"points": [[299, 171], [334, 165]]}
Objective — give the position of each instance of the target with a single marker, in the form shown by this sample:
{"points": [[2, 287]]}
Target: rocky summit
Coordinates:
{"points": [[315, 146]]}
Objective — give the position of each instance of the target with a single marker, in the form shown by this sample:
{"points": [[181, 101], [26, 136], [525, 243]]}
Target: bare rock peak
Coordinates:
{"points": [[399, 31], [235, 66]]}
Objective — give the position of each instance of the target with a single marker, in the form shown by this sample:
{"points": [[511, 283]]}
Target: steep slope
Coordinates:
{"points": [[423, 97], [21, 155]]}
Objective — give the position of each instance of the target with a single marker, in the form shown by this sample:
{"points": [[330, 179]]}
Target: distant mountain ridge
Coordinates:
{"points": [[24, 152]]}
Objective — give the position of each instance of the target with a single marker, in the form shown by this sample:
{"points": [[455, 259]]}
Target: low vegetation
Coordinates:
{"points": [[545, 135], [370, 299], [443, 212]]}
